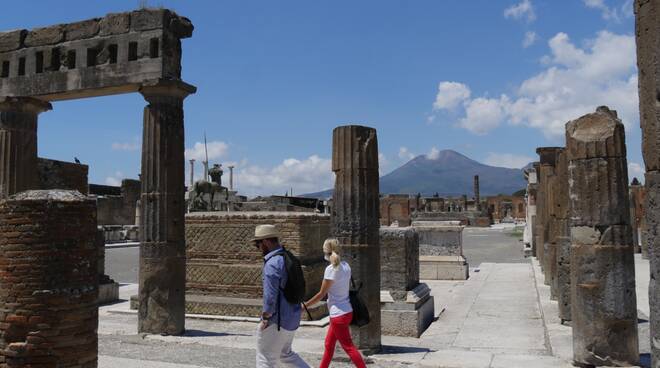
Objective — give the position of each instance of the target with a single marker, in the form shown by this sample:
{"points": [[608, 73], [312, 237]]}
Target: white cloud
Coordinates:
{"points": [[530, 39], [216, 150], [125, 146], [114, 180], [507, 160], [483, 114], [636, 170], [608, 13], [406, 155], [383, 163], [450, 95], [522, 10], [304, 176], [574, 82], [433, 154]]}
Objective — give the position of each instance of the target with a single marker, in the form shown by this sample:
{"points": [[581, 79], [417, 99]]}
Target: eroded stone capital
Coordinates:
{"points": [[24, 105], [160, 90]]}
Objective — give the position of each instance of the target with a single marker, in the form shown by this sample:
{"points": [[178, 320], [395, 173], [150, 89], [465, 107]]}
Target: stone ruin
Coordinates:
{"points": [[441, 250], [137, 51], [407, 307]]}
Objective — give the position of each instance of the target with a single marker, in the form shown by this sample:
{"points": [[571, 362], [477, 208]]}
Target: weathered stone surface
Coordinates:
{"points": [[114, 23], [544, 209], [81, 30], [355, 218], [399, 260], [45, 36], [12, 40], [49, 277], [553, 225], [563, 278], [18, 143], [603, 304], [647, 30], [438, 239], [147, 19], [652, 207], [162, 248]]}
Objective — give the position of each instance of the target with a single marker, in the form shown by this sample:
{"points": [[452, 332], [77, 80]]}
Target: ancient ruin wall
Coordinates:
{"points": [[100, 56], [49, 275], [222, 261]]}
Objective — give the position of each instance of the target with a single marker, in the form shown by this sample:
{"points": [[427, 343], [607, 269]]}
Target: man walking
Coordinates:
{"points": [[279, 318]]}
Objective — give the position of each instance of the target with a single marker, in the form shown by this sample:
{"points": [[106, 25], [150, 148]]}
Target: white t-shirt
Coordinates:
{"points": [[338, 302]]}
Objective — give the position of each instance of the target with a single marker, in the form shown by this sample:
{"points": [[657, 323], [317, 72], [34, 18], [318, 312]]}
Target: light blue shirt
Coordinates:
{"points": [[274, 278]]}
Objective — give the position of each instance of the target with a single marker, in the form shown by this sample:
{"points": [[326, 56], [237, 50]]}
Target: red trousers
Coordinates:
{"points": [[339, 330]]}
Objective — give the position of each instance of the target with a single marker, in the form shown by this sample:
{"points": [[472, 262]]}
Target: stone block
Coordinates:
{"points": [[399, 260], [436, 239], [45, 36], [409, 317], [443, 268], [12, 40], [113, 24], [81, 30], [108, 293]]}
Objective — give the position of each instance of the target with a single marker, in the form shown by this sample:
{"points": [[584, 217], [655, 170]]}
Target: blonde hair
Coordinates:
{"points": [[331, 245]]}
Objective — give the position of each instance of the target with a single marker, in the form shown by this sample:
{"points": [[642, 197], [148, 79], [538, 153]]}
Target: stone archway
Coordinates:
{"points": [[137, 51]]}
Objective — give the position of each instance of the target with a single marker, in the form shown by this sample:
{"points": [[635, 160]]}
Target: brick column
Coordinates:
{"points": [[647, 31], [18, 143], [604, 306], [546, 170], [355, 219], [162, 238], [49, 277]]}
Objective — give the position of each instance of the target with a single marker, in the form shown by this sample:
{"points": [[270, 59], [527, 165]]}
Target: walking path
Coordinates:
{"points": [[494, 319]]}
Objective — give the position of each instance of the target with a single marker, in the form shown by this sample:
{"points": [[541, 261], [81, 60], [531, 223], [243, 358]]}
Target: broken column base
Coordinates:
{"points": [[108, 292], [443, 268], [235, 307], [410, 317]]}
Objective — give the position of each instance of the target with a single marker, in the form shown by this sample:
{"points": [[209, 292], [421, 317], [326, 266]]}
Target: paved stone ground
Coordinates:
{"points": [[500, 317]]}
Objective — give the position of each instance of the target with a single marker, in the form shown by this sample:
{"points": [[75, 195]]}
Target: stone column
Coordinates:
{"points": [[563, 239], [604, 306], [231, 178], [355, 219], [18, 143], [539, 209], [477, 200], [647, 27], [162, 239], [544, 210], [50, 277], [192, 173]]}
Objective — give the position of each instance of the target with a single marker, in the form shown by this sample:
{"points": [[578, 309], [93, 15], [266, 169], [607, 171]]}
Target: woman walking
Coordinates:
{"points": [[336, 284]]}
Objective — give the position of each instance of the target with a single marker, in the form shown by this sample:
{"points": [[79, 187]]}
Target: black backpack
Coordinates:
{"points": [[360, 311], [294, 289]]}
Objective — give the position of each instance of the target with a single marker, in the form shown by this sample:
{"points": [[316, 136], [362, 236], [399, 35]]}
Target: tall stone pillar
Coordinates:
{"points": [[18, 143], [604, 306], [537, 216], [162, 239], [563, 239], [552, 225], [355, 219], [231, 178], [546, 170], [192, 173], [477, 200], [647, 31]]}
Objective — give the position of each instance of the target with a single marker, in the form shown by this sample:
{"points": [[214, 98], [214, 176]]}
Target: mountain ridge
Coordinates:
{"points": [[450, 173]]}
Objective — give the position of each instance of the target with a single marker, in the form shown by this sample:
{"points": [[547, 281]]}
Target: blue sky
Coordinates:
{"points": [[492, 79]]}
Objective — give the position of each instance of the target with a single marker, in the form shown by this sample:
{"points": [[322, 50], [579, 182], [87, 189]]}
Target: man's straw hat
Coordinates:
{"points": [[265, 232]]}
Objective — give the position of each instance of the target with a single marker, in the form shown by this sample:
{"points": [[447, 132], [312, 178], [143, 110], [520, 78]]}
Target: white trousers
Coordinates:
{"points": [[274, 348]]}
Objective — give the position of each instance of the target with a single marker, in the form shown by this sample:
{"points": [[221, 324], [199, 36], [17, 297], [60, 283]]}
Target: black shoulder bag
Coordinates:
{"points": [[360, 311]]}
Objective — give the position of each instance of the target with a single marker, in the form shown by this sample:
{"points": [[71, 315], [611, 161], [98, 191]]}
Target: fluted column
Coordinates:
{"points": [[563, 239], [647, 31], [604, 307], [538, 239], [355, 219], [162, 239], [546, 171], [18, 143]]}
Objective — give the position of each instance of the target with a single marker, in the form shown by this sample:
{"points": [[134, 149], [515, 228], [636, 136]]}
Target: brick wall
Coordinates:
{"points": [[49, 277], [221, 260]]}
